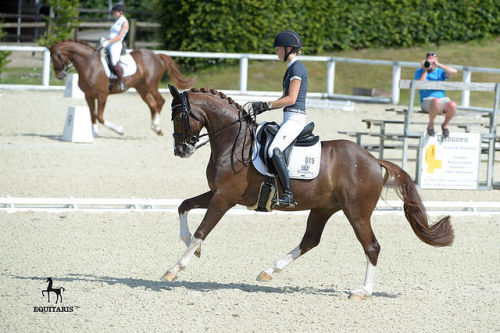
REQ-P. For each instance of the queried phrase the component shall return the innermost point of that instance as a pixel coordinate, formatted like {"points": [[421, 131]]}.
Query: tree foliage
{"points": [[4, 55], [324, 25], [62, 25]]}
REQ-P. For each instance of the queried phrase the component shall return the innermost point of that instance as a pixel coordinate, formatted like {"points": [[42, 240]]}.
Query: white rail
{"points": [[13, 205], [330, 70]]}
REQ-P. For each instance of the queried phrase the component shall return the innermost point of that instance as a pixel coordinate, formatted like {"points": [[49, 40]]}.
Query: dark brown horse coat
{"points": [[350, 178]]}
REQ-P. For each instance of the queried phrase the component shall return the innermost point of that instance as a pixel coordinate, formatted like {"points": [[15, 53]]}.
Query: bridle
{"points": [[65, 67], [65, 64], [190, 139]]}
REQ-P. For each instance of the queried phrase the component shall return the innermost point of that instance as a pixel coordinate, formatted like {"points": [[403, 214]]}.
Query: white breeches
{"points": [[293, 123], [115, 50]]}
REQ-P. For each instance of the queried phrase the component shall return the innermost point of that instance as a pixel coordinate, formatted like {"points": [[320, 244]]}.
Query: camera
{"points": [[427, 64]]}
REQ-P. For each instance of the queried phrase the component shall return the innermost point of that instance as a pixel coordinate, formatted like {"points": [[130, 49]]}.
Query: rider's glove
{"points": [[104, 42], [259, 107]]}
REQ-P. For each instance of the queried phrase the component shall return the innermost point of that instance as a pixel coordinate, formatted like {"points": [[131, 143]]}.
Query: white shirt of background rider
{"points": [[118, 30]]}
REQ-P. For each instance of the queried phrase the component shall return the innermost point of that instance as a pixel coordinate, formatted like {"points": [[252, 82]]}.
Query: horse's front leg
{"points": [[200, 201], [217, 207], [93, 115], [101, 103]]}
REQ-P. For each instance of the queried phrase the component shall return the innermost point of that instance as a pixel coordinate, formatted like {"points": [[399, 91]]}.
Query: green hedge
{"points": [[324, 25]]}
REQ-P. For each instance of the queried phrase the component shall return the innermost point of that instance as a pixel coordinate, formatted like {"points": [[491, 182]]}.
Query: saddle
{"points": [[266, 134], [127, 63]]}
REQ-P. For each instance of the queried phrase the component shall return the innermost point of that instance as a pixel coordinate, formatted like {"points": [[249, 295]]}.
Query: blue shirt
{"points": [[296, 69], [437, 74]]}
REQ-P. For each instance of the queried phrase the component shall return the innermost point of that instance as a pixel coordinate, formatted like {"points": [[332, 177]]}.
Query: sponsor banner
{"points": [[450, 163]]}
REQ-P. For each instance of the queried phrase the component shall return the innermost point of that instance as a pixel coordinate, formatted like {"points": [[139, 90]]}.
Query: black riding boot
{"points": [[119, 72], [279, 163]]}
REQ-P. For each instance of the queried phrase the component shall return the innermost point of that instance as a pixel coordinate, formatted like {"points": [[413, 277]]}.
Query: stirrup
{"points": [[286, 201]]}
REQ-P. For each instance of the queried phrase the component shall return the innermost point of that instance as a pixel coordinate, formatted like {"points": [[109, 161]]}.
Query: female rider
{"points": [[288, 45], [113, 43]]}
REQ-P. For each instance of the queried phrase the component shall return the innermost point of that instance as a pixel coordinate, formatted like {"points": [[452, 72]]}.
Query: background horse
{"points": [[93, 81], [350, 179]]}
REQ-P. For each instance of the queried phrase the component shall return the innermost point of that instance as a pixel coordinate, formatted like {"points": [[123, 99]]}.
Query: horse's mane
{"points": [[75, 41], [219, 94]]}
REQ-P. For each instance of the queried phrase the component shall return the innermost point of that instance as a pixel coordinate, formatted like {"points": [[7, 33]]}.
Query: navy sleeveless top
{"points": [[296, 69]]}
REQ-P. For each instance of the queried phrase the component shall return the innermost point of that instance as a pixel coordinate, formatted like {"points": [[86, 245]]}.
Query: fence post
{"points": [[243, 72], [132, 33], [330, 77], [46, 68], [396, 77], [466, 93]]}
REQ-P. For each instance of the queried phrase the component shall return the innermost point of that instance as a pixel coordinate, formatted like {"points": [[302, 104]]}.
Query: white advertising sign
{"points": [[450, 163]]}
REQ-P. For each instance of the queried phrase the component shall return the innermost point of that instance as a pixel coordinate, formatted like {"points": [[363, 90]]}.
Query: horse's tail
{"points": [[438, 234], [175, 74]]}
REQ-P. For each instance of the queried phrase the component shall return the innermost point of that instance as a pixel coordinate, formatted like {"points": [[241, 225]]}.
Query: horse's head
{"points": [[187, 123], [60, 61]]}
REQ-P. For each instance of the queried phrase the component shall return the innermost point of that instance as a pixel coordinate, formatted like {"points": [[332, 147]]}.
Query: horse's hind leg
{"points": [[155, 103], [359, 217], [200, 201], [315, 224]]}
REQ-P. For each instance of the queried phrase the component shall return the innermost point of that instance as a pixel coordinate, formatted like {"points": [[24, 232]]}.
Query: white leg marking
{"points": [[155, 123], [284, 261], [95, 130], [367, 289], [113, 127], [184, 261], [184, 228]]}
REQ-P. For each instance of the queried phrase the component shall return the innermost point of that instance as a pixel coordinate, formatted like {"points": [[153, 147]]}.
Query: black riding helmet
{"points": [[119, 7], [288, 38]]}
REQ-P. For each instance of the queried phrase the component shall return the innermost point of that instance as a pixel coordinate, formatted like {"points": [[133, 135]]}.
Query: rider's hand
{"points": [[104, 42], [259, 107]]}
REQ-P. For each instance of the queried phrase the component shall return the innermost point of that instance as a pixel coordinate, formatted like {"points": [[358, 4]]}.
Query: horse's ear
{"points": [[175, 93]]}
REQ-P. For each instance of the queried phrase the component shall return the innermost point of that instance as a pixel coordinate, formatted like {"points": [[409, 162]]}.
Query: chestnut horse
{"points": [[93, 81], [350, 179]]}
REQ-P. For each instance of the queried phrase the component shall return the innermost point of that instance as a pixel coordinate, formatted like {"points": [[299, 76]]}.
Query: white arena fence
{"points": [[243, 77], [58, 205]]}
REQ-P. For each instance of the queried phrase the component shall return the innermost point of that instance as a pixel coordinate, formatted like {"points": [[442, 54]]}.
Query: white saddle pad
{"points": [[126, 61], [304, 161]]}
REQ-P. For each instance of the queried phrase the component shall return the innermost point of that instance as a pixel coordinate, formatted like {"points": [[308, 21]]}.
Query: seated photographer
{"points": [[435, 101]]}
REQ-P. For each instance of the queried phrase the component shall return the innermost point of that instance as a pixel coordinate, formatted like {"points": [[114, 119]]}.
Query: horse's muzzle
{"points": [[184, 150], [61, 75]]}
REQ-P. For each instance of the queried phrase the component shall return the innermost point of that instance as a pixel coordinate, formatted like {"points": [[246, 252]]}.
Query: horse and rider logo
{"points": [[57, 291]]}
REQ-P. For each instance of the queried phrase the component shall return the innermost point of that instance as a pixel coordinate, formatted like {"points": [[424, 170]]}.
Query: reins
{"points": [[192, 139]]}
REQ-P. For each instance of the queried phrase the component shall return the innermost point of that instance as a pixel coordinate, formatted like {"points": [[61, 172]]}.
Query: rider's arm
{"points": [[121, 34], [293, 92]]}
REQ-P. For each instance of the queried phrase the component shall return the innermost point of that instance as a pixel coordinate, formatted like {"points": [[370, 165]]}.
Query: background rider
{"points": [[114, 43]]}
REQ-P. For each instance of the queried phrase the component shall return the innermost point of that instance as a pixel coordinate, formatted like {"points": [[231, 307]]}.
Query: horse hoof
{"points": [[160, 133], [358, 296], [169, 276], [263, 276], [198, 252]]}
